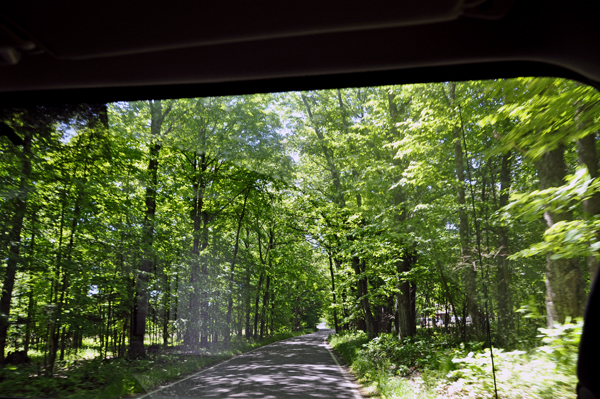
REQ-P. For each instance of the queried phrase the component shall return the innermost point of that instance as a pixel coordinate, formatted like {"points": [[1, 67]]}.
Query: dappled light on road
{"points": [[300, 367]]}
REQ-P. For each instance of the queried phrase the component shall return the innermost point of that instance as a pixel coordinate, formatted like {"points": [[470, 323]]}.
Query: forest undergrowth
{"points": [[99, 378], [436, 365]]}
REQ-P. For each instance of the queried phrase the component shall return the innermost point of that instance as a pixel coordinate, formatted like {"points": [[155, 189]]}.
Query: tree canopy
{"points": [[470, 207]]}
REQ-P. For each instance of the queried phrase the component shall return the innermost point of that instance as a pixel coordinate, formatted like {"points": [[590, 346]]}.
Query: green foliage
{"points": [[435, 366], [546, 372], [566, 238], [531, 206], [561, 344], [249, 209], [418, 352], [384, 362], [548, 112]]}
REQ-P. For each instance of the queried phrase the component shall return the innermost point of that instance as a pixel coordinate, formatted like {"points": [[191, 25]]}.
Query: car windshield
{"points": [[410, 231]]}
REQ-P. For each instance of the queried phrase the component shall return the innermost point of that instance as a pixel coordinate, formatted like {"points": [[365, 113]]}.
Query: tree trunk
{"points": [[405, 307], [469, 273], [565, 288], [265, 305], [232, 271], [166, 309], [335, 319], [260, 281], [503, 276], [63, 337], [249, 333], [197, 308], [363, 292], [586, 155], [140, 306], [346, 312], [462, 326], [240, 318], [14, 238], [272, 307], [406, 314], [62, 302], [197, 327], [204, 318], [30, 320]]}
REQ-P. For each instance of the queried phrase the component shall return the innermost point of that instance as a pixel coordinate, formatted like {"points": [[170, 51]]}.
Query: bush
{"points": [[547, 372], [426, 366], [383, 360]]}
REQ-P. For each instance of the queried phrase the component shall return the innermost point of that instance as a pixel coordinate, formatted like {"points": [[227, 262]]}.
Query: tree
{"points": [[140, 306], [34, 125]]}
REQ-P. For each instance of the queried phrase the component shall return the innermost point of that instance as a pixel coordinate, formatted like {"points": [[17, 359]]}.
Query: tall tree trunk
{"points": [[197, 327], [340, 200], [587, 155], [565, 288], [62, 302], [54, 296], [63, 337], [363, 292], [404, 304], [30, 320], [249, 333], [469, 273], [503, 276], [265, 305], [247, 299], [192, 332], [232, 272], [335, 318], [166, 309], [272, 307], [240, 317], [260, 281], [204, 317], [406, 313], [346, 312], [140, 306], [462, 325], [14, 238]]}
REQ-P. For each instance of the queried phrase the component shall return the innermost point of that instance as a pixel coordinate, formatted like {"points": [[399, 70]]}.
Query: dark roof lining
{"points": [[460, 42], [77, 30], [463, 72], [537, 38]]}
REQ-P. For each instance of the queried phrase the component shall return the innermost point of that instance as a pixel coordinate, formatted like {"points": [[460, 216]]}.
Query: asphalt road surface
{"points": [[300, 367]]}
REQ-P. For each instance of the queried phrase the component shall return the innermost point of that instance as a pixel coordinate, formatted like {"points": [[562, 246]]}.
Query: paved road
{"points": [[300, 367]]}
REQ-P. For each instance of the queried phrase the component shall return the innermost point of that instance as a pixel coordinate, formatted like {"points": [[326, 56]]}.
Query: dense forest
{"points": [[471, 208]]}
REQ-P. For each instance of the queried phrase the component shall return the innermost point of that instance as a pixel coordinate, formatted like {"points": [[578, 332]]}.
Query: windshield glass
{"points": [[417, 226]]}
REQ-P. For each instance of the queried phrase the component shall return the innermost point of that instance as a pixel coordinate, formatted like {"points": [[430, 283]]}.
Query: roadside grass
{"points": [[117, 377], [438, 367]]}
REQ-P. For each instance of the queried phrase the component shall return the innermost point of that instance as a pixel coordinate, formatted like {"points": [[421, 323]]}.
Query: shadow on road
{"points": [[299, 367]]}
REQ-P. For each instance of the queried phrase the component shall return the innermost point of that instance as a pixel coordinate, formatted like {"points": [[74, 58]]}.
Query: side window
{"points": [[425, 227]]}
